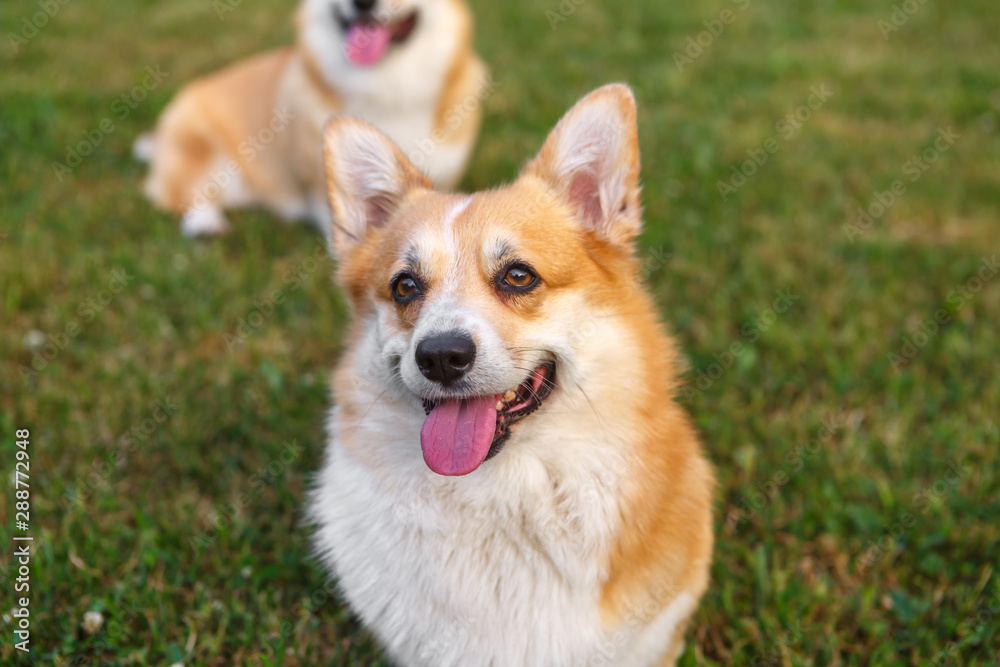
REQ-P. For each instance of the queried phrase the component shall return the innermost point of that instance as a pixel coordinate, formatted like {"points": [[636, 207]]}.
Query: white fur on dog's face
{"points": [[436, 31], [383, 10], [402, 93], [461, 300]]}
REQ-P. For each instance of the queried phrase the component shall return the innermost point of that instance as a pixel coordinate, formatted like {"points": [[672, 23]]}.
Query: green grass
{"points": [[791, 585]]}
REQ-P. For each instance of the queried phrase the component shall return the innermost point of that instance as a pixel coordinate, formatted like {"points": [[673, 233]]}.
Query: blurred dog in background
{"points": [[251, 134]]}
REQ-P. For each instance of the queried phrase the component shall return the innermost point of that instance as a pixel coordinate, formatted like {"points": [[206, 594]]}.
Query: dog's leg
{"points": [[204, 220], [144, 147], [192, 171], [220, 187], [676, 646]]}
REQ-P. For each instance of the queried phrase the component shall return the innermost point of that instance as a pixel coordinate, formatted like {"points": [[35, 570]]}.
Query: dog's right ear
{"points": [[367, 178], [591, 160]]}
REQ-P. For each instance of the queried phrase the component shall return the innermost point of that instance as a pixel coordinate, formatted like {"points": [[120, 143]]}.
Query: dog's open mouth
{"points": [[367, 38], [460, 433]]}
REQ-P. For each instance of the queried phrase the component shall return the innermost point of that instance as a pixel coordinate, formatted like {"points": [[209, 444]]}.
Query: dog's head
{"points": [[367, 31], [482, 307]]}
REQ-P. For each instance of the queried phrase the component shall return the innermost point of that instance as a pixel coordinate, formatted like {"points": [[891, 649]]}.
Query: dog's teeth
{"points": [[509, 395], [499, 405]]}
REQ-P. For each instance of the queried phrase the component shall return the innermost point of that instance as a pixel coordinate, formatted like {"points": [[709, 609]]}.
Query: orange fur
{"points": [[213, 115], [458, 112]]}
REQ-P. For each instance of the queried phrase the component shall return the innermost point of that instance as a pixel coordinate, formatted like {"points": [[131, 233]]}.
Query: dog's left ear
{"points": [[591, 160], [367, 179]]}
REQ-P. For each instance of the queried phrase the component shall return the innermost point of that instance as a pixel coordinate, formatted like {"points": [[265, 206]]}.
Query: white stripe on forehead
{"points": [[448, 234], [421, 248], [448, 221]]}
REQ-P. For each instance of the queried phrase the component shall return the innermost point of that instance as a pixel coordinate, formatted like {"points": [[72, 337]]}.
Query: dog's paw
{"points": [[204, 221], [142, 149]]}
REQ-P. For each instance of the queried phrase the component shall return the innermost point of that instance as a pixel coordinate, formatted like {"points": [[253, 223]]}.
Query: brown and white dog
{"points": [[251, 134], [509, 480]]}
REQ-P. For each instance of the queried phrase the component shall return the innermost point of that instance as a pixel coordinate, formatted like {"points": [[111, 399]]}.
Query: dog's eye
{"points": [[519, 277], [405, 288]]}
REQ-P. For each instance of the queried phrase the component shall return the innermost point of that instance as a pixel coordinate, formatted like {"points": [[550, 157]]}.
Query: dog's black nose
{"points": [[364, 5], [445, 358]]}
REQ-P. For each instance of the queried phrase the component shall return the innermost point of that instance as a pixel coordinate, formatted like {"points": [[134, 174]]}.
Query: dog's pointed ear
{"points": [[367, 178], [591, 161]]}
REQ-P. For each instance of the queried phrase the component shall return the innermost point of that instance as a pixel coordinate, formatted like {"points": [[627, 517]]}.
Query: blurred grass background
{"points": [[797, 580]]}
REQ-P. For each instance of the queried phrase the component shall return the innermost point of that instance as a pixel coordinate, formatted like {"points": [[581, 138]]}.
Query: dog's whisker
{"points": [[545, 381], [594, 408], [530, 372], [533, 392]]}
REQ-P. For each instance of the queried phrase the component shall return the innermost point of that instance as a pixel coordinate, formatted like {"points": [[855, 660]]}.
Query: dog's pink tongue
{"points": [[457, 434], [367, 43]]}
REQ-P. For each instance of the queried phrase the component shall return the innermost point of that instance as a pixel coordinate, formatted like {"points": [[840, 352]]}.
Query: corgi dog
{"points": [[509, 481], [251, 134]]}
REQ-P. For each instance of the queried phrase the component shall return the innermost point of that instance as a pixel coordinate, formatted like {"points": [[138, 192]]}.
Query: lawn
{"points": [[822, 199]]}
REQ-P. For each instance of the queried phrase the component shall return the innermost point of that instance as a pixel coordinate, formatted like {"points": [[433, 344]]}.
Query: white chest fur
{"points": [[501, 567]]}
